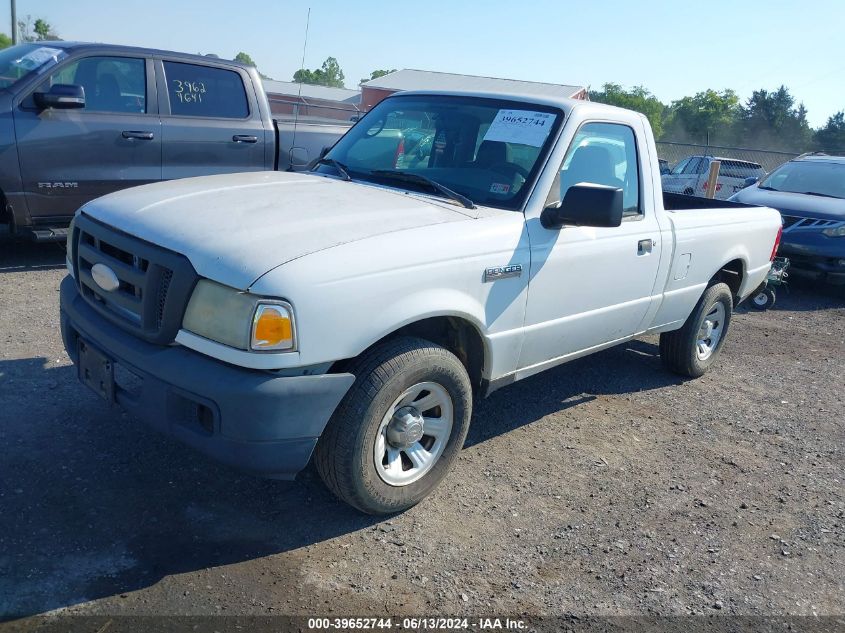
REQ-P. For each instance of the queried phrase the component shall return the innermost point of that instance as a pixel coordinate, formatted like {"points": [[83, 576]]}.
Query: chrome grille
{"points": [[798, 223], [154, 283]]}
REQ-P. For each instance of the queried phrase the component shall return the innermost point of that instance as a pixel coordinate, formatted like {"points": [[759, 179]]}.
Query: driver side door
{"points": [[592, 286], [68, 157]]}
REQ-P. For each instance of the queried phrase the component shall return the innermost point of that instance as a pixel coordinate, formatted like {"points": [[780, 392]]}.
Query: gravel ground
{"points": [[603, 487]]}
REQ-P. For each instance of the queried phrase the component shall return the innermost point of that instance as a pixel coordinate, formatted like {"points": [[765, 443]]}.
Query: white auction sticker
{"points": [[521, 126]]}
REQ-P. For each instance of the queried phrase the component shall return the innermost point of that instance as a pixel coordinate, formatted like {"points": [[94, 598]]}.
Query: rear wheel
{"points": [[691, 350], [399, 429]]}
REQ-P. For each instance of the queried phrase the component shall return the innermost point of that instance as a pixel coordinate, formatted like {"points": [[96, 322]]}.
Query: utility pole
{"points": [[14, 23]]}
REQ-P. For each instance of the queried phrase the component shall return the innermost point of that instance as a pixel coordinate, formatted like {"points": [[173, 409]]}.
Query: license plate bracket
{"points": [[95, 370]]}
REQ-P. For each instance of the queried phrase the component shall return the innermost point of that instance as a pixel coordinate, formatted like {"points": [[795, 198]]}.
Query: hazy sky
{"points": [[673, 48]]}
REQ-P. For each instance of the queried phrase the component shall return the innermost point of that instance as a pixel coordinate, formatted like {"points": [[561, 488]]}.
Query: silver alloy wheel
{"points": [[711, 331], [413, 434]]}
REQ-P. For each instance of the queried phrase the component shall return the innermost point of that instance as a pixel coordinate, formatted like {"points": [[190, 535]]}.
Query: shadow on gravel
{"points": [[634, 366], [97, 505], [18, 257]]}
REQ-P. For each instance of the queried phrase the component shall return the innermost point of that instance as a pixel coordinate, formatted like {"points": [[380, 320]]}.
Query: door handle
{"points": [[135, 134], [244, 138], [644, 247]]}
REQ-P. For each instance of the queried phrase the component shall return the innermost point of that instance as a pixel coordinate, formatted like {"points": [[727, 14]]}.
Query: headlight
{"points": [[839, 231], [238, 319]]}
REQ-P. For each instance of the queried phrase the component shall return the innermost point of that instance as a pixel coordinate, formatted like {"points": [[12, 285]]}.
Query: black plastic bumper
{"points": [[253, 420]]}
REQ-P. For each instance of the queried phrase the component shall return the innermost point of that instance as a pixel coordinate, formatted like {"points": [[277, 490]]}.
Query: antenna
{"points": [[299, 94]]}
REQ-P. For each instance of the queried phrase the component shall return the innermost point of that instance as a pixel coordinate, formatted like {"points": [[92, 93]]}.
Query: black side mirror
{"points": [[585, 205], [751, 180], [61, 97]]}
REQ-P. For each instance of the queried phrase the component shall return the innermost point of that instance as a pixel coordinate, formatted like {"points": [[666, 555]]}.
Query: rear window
{"points": [[205, 92], [740, 169]]}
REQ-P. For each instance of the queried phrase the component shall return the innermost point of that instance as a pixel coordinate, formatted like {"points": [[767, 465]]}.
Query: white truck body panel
{"points": [[359, 261]]}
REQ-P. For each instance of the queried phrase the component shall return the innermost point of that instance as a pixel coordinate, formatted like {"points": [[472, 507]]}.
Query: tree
{"points": [[329, 74], [638, 98], [375, 75], [38, 31], [5, 41], [244, 58], [706, 117], [771, 120], [832, 135]]}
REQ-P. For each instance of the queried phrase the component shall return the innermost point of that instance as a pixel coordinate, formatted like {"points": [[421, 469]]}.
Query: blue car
{"points": [[809, 192]]}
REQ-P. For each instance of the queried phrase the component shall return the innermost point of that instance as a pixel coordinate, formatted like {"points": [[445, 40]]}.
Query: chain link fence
{"points": [[686, 167]]}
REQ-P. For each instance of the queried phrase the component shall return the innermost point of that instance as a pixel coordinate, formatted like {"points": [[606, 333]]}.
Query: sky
{"points": [[672, 48]]}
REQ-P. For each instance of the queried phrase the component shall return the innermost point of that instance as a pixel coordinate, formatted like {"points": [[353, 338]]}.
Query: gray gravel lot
{"points": [[606, 486]]}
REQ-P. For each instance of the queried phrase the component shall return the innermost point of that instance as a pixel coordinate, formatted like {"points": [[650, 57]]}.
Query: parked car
{"points": [[664, 166], [83, 120], [690, 176], [809, 192], [357, 312]]}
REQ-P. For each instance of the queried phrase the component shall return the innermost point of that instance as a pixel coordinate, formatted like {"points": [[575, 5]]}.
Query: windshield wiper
{"points": [[766, 188], [823, 195], [424, 180], [340, 167]]}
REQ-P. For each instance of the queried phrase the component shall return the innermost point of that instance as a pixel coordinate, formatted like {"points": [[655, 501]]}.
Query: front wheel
{"points": [[691, 350], [400, 428]]}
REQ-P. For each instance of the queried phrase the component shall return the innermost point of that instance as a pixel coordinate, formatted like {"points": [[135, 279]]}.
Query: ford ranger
{"points": [[355, 312], [82, 120]]}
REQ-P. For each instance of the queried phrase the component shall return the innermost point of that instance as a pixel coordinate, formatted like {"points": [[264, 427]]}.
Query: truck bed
{"points": [[679, 202]]}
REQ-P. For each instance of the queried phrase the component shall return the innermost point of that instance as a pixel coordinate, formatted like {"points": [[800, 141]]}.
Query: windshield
{"points": [[487, 150], [24, 60], [808, 176]]}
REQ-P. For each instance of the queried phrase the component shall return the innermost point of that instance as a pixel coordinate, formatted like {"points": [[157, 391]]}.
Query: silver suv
{"points": [[689, 177]]}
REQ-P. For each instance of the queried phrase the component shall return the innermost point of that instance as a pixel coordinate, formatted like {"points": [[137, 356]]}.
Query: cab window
{"points": [[205, 92], [602, 154], [111, 84]]}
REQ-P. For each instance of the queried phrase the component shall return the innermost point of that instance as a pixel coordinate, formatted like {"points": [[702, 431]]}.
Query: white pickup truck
{"points": [[355, 312]]}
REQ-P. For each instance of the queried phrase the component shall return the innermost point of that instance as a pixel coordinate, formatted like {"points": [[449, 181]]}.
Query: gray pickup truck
{"points": [[78, 121]]}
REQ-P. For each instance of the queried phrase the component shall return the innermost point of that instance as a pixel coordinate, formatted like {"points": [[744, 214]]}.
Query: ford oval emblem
{"points": [[105, 277]]}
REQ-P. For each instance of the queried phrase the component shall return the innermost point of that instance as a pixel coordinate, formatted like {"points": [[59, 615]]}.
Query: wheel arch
{"points": [[458, 333], [732, 274]]}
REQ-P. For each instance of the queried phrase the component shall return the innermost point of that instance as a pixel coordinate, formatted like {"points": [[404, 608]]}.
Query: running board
{"points": [[48, 234]]}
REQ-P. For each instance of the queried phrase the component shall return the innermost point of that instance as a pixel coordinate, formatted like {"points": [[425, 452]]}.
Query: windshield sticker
{"points": [[500, 188], [39, 56], [521, 126]]}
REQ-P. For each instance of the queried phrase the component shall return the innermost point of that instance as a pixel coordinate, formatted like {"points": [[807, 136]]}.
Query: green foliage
{"points": [[832, 135], [329, 74], [37, 31], [5, 41], [706, 116], [771, 120], [638, 99], [244, 58], [375, 75]]}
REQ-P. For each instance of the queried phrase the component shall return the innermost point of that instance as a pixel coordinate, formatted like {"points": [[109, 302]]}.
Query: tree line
{"points": [[766, 120]]}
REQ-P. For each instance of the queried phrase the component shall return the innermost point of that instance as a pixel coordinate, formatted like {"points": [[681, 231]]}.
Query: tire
{"points": [[763, 299], [680, 350], [377, 417], [688, 191]]}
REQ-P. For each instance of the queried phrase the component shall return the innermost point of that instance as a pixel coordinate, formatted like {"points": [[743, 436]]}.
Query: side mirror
{"points": [[751, 180], [585, 205], [325, 151], [61, 97], [298, 158]]}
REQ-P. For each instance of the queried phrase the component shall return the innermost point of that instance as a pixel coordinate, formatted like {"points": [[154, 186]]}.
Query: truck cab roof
{"points": [[74, 47]]}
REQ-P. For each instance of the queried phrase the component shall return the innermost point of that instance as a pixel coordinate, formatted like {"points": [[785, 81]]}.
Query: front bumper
{"points": [[816, 257], [252, 420]]}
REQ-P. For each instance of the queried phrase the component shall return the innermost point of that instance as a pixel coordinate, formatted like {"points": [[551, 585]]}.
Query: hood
{"points": [[799, 204], [236, 227]]}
